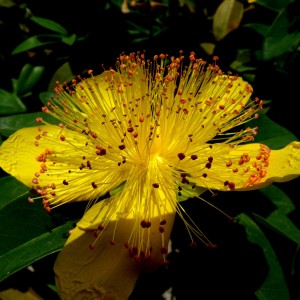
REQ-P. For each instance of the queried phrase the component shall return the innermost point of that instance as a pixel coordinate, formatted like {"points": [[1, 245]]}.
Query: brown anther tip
{"points": [[193, 245], [194, 157], [155, 185], [163, 222], [92, 247], [112, 242], [122, 147], [211, 246], [181, 156], [163, 250]]}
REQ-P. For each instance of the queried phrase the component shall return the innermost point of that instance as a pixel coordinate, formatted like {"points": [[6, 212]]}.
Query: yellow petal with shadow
{"points": [[106, 271]]}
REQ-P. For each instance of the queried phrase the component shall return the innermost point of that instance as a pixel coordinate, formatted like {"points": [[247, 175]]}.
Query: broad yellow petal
{"points": [[61, 164], [242, 167], [100, 262]]}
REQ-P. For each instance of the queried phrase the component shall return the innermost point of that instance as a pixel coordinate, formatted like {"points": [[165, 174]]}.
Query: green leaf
{"points": [[276, 5], [283, 35], [10, 124], [7, 3], [227, 18], [62, 74], [45, 97], [28, 78], [13, 189], [51, 25], [270, 133], [274, 287], [278, 220], [27, 232], [69, 40], [33, 42], [10, 103], [259, 28]]}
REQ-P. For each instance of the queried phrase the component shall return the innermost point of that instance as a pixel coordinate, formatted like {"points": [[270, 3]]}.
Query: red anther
{"points": [[94, 185], [90, 72], [222, 107], [163, 250], [126, 245], [39, 120], [65, 182], [210, 159], [122, 147], [100, 227], [204, 175], [112, 242], [30, 200], [182, 100], [62, 138], [163, 222], [130, 129], [181, 156], [135, 134], [231, 186], [161, 229], [155, 185], [91, 246], [35, 181], [193, 245], [226, 183], [141, 119], [94, 135], [208, 165], [211, 246]]}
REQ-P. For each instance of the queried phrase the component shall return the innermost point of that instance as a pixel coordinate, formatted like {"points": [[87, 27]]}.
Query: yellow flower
{"points": [[153, 133]]}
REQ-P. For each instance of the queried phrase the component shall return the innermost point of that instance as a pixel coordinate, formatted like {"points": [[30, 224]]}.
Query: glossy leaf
{"points": [[49, 24], [28, 78], [10, 124], [274, 287], [227, 18], [278, 220], [27, 232], [270, 133], [69, 40], [34, 42], [283, 35], [276, 5], [10, 103]]}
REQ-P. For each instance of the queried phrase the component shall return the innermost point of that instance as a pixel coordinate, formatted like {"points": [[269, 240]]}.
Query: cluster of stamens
{"points": [[155, 117]]}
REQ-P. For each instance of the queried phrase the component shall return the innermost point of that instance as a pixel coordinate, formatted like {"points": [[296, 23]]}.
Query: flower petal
{"points": [[106, 271], [59, 163], [244, 167]]}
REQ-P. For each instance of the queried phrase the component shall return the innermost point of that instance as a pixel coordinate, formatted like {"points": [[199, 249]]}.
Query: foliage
{"points": [[47, 41]]}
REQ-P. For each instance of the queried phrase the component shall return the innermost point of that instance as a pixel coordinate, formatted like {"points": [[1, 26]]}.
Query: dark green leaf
{"points": [[259, 28], [27, 232], [271, 134], [276, 5], [10, 103], [49, 24], [10, 124], [33, 42], [278, 220], [274, 287], [69, 40], [13, 189], [45, 97], [282, 36], [28, 78]]}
